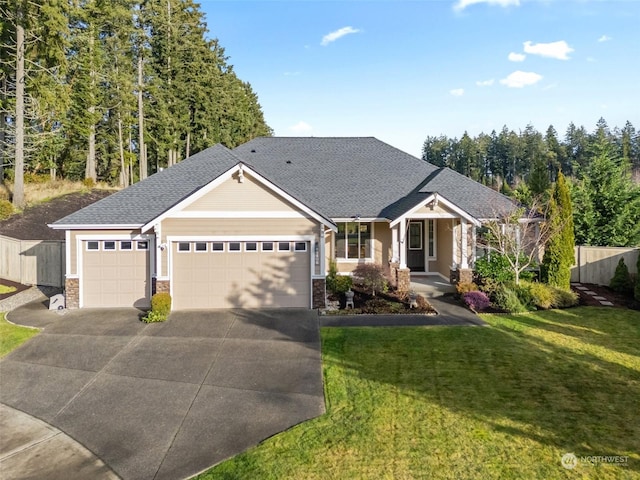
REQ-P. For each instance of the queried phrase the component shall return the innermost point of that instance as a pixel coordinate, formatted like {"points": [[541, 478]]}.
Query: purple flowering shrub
{"points": [[476, 300]]}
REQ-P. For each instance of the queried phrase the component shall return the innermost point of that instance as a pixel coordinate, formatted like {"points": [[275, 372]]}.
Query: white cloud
{"points": [[485, 83], [519, 79], [604, 38], [559, 50], [517, 57], [462, 4], [335, 35], [301, 127], [457, 92]]}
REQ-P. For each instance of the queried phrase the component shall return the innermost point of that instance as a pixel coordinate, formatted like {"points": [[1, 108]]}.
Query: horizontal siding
{"points": [[231, 226], [233, 196]]}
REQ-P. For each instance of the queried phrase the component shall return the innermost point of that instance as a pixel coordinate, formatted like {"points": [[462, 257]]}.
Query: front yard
{"points": [[507, 401], [12, 336]]}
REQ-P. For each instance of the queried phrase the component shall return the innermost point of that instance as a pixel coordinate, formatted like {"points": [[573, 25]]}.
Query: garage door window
{"points": [[217, 247], [142, 245], [234, 246], [125, 245], [300, 246], [184, 247], [267, 246], [201, 246], [93, 245], [284, 246], [250, 247], [109, 245]]}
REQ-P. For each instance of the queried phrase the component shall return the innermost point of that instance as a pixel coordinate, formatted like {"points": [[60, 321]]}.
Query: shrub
{"points": [[476, 300], [621, 281], [6, 209], [337, 284], [490, 287], [464, 287], [372, 277], [30, 177], [89, 183], [508, 300], [523, 291], [497, 267], [542, 295], [375, 305], [564, 298], [637, 290], [160, 308]]}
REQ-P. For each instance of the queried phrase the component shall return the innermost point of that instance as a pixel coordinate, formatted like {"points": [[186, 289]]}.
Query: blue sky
{"points": [[404, 70]]}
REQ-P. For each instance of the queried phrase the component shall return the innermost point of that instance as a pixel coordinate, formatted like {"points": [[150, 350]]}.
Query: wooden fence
{"points": [[32, 262], [598, 264]]}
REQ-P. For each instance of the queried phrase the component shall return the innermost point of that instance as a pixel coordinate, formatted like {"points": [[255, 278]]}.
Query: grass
{"points": [[40, 192], [12, 336], [6, 289], [505, 401]]}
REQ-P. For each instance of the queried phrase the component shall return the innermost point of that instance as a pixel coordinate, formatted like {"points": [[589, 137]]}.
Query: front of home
{"points": [[256, 227]]}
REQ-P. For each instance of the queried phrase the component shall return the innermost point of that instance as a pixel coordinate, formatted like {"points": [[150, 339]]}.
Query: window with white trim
{"points": [[267, 246], [201, 246], [251, 246], [217, 247], [431, 238], [109, 245], [415, 235], [300, 246], [126, 245], [91, 245], [284, 246], [353, 240], [142, 245], [184, 247], [234, 246]]}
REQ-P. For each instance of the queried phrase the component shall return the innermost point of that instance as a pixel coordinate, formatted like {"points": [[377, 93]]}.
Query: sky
{"points": [[404, 70]]}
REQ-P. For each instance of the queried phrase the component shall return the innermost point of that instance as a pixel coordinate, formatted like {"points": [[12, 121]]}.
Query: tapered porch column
{"points": [[403, 246], [454, 249], [395, 257]]}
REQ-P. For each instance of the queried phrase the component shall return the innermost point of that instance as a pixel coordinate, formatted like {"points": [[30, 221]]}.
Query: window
{"points": [[109, 245], [126, 245], [93, 245], [353, 240], [142, 245], [250, 246], [184, 247], [300, 246], [267, 246], [415, 235], [431, 238], [234, 246], [201, 246], [284, 246], [217, 247]]}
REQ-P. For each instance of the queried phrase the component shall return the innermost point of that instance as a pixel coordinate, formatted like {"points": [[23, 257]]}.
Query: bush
{"points": [[496, 267], [372, 277], [337, 284], [6, 209], [637, 290], [464, 287], [542, 295], [476, 300], [564, 298], [490, 287], [621, 281], [523, 291], [160, 308], [508, 300], [89, 183]]}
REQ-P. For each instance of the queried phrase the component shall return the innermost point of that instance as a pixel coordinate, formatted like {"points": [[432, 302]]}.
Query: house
{"points": [[257, 226]]}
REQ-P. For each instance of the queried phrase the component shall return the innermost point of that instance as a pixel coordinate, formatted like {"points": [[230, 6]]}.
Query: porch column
{"points": [[454, 250], [394, 244], [403, 238], [464, 243]]}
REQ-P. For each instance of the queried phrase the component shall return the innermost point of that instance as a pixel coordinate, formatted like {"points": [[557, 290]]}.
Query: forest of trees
{"points": [[602, 168], [113, 90]]}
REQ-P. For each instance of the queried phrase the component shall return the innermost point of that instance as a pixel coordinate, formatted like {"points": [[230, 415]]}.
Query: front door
{"points": [[415, 246]]}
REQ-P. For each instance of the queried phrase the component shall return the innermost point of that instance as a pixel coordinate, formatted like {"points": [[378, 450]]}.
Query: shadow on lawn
{"points": [[509, 379]]}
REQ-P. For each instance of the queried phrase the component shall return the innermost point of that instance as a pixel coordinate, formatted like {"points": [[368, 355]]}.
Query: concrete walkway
{"points": [[157, 401]]}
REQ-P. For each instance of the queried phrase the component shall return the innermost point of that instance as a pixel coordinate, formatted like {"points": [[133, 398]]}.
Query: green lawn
{"points": [[505, 401], [12, 336], [6, 289]]}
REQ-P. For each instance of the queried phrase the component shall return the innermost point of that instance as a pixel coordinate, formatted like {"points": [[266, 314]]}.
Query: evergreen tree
{"points": [[637, 289], [559, 252]]}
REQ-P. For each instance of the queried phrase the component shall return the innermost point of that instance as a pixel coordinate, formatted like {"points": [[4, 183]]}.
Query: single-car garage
{"points": [[247, 274], [115, 273]]}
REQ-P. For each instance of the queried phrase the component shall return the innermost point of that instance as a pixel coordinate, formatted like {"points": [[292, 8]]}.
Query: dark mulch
{"points": [[8, 283], [32, 223], [366, 303], [618, 299]]}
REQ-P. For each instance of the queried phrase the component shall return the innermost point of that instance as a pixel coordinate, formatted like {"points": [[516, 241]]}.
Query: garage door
{"points": [[240, 274], [115, 273]]}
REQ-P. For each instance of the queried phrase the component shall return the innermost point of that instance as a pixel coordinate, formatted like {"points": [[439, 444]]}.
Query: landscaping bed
{"points": [[386, 303], [9, 288]]}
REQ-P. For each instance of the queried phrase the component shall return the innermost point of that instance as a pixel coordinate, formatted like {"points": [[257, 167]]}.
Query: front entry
{"points": [[415, 246]]}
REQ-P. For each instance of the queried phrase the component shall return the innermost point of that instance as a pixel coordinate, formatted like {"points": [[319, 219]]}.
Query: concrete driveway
{"points": [[168, 400]]}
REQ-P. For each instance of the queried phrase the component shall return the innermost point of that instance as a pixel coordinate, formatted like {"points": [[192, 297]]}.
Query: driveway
{"points": [[167, 400]]}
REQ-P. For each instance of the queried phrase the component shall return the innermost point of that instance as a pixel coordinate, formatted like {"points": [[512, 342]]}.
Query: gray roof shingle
{"points": [[336, 177]]}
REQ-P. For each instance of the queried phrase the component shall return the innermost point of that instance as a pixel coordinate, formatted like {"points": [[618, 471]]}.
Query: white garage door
{"points": [[115, 273], [240, 274]]}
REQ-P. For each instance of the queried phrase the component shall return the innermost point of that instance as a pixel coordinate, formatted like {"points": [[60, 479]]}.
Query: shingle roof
{"points": [[146, 200], [336, 177]]}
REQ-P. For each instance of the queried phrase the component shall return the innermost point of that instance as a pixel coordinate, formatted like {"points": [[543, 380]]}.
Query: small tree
{"points": [[517, 234], [371, 276], [621, 281]]}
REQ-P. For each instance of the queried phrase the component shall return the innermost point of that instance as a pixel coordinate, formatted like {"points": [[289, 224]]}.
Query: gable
{"points": [[433, 210], [246, 196]]}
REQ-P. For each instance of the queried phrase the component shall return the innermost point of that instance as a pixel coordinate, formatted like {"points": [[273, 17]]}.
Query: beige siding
{"points": [[235, 196], [232, 226], [382, 243], [435, 210], [444, 246], [73, 247]]}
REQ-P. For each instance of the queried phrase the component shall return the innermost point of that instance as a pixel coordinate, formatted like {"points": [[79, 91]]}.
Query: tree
{"points": [[637, 289], [517, 235], [559, 252]]}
